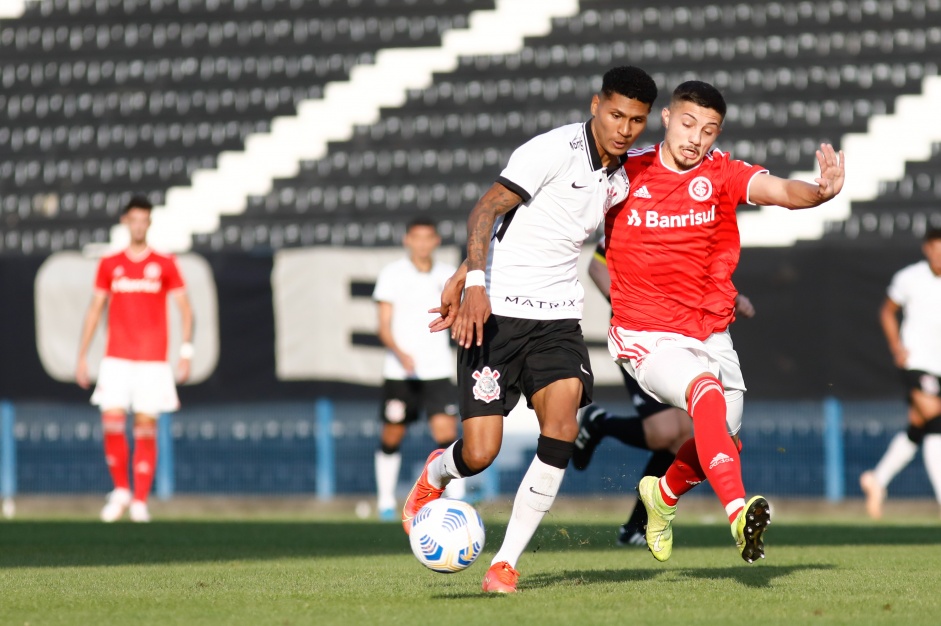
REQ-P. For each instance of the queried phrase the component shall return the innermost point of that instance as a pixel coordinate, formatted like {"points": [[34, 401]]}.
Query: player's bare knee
{"points": [[478, 458], [926, 405], [443, 428], [564, 430]]}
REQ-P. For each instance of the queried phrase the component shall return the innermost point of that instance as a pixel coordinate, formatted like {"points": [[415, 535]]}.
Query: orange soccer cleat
{"points": [[421, 494], [501, 578]]}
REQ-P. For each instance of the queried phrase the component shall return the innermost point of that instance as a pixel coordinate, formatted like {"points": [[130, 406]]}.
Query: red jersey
{"points": [[673, 244], [137, 313]]}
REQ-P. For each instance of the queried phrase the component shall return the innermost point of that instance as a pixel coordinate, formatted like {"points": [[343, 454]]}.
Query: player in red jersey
{"points": [[134, 374], [672, 248]]}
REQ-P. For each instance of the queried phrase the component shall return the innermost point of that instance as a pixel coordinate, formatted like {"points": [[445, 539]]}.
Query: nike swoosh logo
{"points": [[544, 495], [575, 186], [582, 367], [656, 544]]}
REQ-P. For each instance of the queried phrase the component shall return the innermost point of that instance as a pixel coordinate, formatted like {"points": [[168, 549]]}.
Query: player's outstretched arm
{"points": [[795, 194], [450, 300], [475, 310], [92, 318]]}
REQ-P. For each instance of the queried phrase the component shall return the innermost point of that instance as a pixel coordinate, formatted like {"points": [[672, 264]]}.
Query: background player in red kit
{"points": [[134, 374], [672, 248]]}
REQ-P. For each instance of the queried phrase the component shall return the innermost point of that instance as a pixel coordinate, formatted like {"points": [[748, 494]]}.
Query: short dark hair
{"points": [[933, 233], [701, 94], [630, 82], [420, 221], [137, 202]]}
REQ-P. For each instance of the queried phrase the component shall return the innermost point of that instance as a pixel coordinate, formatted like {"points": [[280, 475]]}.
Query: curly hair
{"points": [[631, 82]]}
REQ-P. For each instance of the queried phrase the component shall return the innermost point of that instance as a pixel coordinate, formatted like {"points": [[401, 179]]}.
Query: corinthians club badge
{"points": [[487, 387]]}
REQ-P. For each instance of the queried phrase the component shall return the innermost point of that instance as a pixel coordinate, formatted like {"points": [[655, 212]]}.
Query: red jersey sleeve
{"points": [[738, 175], [103, 276], [173, 277]]}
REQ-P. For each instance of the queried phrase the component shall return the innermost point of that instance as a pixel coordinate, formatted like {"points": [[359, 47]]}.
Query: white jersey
{"points": [[566, 191], [412, 293], [918, 291]]}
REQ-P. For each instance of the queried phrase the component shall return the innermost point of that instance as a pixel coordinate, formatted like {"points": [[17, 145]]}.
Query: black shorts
{"points": [[520, 356], [922, 381], [643, 403], [403, 400]]}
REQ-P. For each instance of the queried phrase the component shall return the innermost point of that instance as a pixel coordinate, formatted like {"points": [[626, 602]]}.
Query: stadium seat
{"points": [[105, 96]]}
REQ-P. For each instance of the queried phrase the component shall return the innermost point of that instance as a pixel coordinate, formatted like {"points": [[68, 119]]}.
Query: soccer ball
{"points": [[447, 535]]}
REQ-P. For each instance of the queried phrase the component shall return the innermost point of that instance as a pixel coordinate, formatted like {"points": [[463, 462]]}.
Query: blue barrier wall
{"points": [[274, 448]]}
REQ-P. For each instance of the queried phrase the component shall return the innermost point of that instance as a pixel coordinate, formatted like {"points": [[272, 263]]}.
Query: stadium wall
{"points": [[816, 333], [251, 427]]}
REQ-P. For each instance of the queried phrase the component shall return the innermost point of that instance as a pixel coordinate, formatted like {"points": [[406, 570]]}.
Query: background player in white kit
{"points": [[524, 239], [915, 291], [135, 374], [419, 365]]}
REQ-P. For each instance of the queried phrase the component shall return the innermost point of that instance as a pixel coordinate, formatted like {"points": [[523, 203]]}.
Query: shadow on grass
{"points": [[599, 537], [757, 576], [65, 543]]}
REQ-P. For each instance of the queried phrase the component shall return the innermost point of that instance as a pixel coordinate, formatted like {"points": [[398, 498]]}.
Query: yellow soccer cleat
{"points": [[749, 526], [660, 516]]}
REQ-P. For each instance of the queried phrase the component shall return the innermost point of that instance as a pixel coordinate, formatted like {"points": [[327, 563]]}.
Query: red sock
{"points": [[718, 454], [683, 474], [145, 459], [116, 452]]}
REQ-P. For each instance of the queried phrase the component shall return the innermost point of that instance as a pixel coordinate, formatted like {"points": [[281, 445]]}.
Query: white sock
{"points": [[931, 450], [535, 496], [387, 477], [900, 453], [457, 489], [442, 469]]}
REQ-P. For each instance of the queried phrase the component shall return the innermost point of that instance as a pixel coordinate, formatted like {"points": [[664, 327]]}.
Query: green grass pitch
{"points": [[345, 571]]}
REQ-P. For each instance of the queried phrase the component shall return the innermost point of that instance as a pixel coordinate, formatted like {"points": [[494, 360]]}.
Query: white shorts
{"points": [[664, 364], [139, 386]]}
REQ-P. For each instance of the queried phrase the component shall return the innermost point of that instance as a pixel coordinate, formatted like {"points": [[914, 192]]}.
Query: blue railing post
{"points": [[834, 469], [326, 464], [7, 450], [165, 470]]}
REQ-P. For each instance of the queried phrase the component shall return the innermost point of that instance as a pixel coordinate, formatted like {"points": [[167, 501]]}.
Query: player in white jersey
{"points": [[915, 291], [419, 366], [518, 326]]}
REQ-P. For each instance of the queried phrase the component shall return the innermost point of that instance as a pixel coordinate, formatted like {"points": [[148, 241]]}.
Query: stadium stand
{"points": [[903, 209], [103, 97], [795, 74]]}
